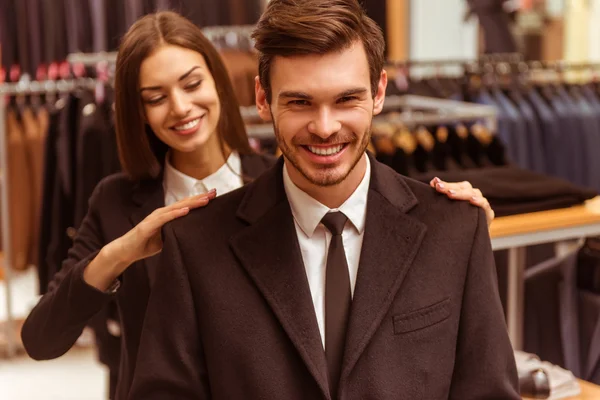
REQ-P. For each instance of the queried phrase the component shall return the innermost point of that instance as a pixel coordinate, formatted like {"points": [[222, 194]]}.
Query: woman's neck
{"points": [[201, 163]]}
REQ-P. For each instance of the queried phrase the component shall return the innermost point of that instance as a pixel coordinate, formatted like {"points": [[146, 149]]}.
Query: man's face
{"points": [[322, 108]]}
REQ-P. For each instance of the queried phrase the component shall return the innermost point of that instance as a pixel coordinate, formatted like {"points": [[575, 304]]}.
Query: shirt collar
{"points": [[224, 179], [309, 212]]}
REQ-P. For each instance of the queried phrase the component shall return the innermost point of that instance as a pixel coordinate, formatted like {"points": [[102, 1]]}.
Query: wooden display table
{"points": [[517, 232], [589, 391]]}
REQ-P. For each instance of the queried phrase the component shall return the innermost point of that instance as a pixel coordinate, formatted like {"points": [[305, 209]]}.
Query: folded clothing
{"points": [[511, 190]]}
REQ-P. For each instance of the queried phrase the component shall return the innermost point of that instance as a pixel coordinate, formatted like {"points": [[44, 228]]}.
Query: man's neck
{"points": [[331, 196]]}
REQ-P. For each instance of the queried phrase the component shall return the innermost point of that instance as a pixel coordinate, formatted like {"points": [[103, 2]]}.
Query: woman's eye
{"points": [[155, 100], [193, 85]]}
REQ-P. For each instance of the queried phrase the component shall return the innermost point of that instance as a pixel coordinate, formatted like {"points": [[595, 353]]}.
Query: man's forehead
{"points": [[337, 72]]}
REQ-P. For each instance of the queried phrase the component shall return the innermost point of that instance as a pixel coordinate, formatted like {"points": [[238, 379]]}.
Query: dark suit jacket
{"points": [[231, 315], [116, 206]]}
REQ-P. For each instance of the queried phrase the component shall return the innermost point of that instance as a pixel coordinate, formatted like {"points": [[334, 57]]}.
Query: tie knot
{"points": [[335, 222]]}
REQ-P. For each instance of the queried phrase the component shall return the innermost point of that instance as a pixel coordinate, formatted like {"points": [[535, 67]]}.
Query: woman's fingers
{"points": [[156, 220], [464, 191], [482, 202], [193, 200]]}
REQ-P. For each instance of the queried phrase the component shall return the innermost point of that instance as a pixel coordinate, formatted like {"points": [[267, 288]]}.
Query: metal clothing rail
{"points": [[232, 36], [415, 111], [16, 89]]}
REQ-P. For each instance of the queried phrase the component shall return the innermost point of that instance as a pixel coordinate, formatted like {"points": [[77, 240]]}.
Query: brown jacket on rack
{"points": [[20, 194], [116, 206], [36, 128], [231, 314], [242, 67]]}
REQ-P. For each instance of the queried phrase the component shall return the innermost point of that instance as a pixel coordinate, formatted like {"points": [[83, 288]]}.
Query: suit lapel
{"points": [[269, 251], [391, 241], [147, 197]]}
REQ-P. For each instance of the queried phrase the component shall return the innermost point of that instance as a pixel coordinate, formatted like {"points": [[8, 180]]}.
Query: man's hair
{"points": [[302, 27]]}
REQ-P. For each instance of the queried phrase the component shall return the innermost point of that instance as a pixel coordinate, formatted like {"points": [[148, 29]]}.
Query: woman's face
{"points": [[180, 99]]}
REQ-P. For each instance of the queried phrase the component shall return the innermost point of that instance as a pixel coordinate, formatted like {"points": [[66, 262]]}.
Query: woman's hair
{"points": [[141, 152]]}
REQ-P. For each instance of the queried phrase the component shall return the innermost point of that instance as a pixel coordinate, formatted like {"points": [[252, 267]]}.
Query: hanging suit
{"points": [[535, 142], [551, 321], [8, 34], [550, 129], [35, 126], [20, 198], [47, 209]]}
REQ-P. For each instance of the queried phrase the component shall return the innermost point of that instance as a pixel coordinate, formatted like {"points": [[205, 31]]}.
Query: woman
{"points": [[180, 134]]}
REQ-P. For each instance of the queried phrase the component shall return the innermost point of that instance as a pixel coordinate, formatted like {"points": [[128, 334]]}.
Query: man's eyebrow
{"points": [[352, 92], [296, 95]]}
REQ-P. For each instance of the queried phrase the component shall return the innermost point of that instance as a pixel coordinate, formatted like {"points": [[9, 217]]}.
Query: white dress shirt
{"points": [[178, 185], [314, 238]]}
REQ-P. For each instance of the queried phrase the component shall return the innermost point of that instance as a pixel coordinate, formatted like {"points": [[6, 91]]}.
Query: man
{"points": [[330, 276]]}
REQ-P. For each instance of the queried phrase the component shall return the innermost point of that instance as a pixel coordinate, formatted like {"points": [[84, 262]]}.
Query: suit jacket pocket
{"points": [[422, 318]]}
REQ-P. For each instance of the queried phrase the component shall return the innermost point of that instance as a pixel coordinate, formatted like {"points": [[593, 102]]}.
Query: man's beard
{"points": [[327, 176]]}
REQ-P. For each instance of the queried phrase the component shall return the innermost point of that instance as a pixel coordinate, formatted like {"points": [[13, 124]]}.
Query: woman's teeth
{"points": [[325, 151], [189, 125]]}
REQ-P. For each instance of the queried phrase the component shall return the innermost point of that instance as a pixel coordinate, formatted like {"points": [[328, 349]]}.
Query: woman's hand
{"points": [[464, 191], [143, 241]]}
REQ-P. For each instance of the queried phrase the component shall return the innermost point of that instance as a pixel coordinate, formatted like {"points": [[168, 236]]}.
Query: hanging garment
{"points": [[533, 134], [495, 23], [242, 67], [96, 153], [20, 196], [518, 130], [48, 196], [34, 136], [551, 322], [589, 335], [550, 130], [8, 33]]}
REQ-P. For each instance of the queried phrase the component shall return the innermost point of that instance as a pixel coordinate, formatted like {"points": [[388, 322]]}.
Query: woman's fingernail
{"points": [[452, 192], [475, 198], [441, 185], [185, 209]]}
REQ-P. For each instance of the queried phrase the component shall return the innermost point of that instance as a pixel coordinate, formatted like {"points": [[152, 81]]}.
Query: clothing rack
{"points": [[221, 36], [90, 59], [416, 111], [19, 89], [231, 36]]}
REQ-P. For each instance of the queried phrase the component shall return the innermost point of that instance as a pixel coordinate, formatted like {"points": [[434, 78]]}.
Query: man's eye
{"points": [[347, 99], [298, 103]]}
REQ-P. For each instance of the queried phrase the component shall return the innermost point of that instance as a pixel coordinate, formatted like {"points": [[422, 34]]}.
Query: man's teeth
{"points": [[189, 125], [325, 151]]}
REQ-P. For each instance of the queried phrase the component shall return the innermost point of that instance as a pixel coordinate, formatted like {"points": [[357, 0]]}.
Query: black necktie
{"points": [[337, 299]]}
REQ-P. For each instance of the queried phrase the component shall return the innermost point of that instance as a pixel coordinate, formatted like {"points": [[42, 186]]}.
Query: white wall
{"points": [[437, 30]]}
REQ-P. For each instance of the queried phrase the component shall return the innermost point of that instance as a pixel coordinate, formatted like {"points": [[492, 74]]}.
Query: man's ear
{"points": [[380, 95], [262, 105]]}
